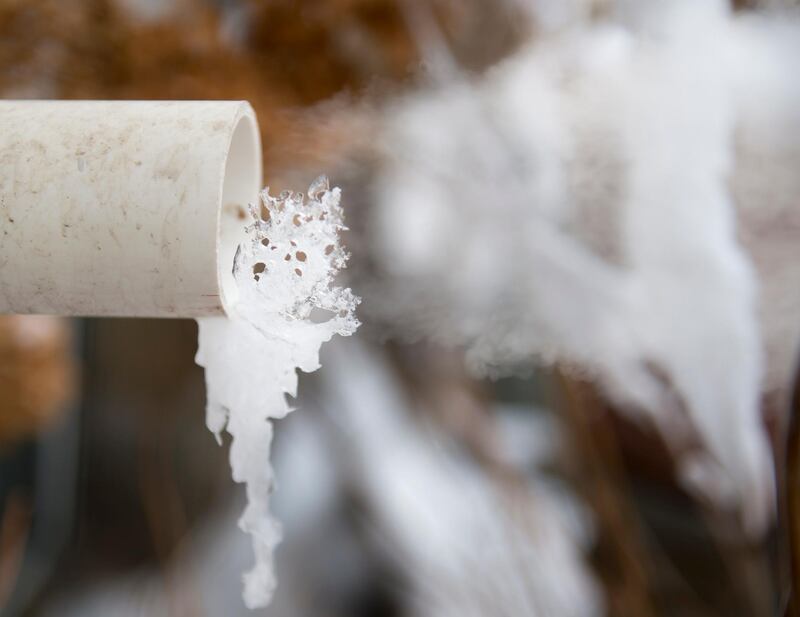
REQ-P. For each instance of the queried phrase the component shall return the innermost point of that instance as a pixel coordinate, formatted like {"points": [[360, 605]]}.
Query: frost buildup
{"points": [[288, 306]]}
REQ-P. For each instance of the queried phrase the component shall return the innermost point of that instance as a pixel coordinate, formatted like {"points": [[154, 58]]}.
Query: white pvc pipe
{"points": [[130, 208]]}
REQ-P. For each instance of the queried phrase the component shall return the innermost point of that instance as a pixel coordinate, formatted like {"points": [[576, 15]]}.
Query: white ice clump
{"points": [[288, 306], [575, 206]]}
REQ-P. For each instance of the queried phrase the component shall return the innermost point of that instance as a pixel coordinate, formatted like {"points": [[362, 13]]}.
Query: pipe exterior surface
{"points": [[130, 208]]}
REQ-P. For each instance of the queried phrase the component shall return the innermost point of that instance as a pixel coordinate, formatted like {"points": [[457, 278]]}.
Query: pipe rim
{"points": [[241, 183]]}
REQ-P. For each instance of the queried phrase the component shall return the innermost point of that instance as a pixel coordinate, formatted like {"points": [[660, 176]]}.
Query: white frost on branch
{"points": [[575, 206]]}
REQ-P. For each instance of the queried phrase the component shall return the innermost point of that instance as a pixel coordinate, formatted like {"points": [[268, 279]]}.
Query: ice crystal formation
{"points": [[288, 306]]}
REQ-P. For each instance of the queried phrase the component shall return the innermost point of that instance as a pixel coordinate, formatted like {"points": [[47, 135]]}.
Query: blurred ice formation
{"points": [[579, 205], [466, 547]]}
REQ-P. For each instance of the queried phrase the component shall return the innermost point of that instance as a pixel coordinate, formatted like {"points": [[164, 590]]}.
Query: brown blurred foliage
{"points": [[278, 55], [36, 373]]}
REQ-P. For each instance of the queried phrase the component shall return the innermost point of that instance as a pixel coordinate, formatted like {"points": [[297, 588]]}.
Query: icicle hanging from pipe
{"points": [[289, 306]]}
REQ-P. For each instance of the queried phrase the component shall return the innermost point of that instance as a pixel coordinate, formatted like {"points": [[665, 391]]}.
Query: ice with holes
{"points": [[289, 305]]}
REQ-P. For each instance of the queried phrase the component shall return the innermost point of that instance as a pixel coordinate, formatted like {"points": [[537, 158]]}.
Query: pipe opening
{"points": [[240, 187]]}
